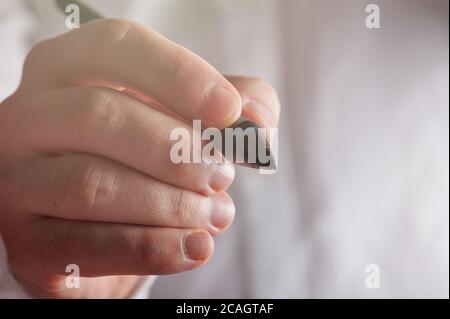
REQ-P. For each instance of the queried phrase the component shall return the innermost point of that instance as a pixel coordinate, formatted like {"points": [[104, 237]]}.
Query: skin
{"points": [[85, 173]]}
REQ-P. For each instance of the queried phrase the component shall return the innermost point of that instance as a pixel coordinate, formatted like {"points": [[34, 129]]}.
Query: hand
{"points": [[85, 172]]}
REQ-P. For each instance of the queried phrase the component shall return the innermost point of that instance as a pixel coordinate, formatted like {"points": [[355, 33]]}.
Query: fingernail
{"points": [[222, 177], [198, 246], [222, 211], [221, 106], [261, 112]]}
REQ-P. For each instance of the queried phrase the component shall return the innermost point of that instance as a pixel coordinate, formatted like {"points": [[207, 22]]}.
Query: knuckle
{"points": [[184, 206], [116, 23], [180, 61], [195, 178], [55, 193], [89, 239], [115, 30], [146, 249], [99, 110], [92, 186], [156, 254]]}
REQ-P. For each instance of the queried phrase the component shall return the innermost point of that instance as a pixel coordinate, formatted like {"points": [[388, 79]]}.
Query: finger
{"points": [[104, 122], [102, 249], [260, 100], [127, 55], [83, 187]]}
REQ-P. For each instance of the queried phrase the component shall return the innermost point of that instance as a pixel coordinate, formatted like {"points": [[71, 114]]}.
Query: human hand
{"points": [[85, 172]]}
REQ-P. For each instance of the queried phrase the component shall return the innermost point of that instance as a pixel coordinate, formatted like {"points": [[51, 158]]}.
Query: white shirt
{"points": [[363, 175]]}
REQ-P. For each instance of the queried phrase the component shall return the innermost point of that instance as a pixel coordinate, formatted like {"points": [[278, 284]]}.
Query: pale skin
{"points": [[85, 171]]}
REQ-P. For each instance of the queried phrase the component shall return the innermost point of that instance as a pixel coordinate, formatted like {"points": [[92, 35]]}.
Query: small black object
{"points": [[258, 162]]}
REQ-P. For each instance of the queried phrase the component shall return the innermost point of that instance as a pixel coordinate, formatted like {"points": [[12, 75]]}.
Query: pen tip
{"points": [[262, 155]]}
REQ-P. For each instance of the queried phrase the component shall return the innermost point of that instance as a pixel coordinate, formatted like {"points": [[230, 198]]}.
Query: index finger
{"points": [[121, 54]]}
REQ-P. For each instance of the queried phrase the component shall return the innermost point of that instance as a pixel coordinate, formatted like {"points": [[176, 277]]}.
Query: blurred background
{"points": [[363, 183]]}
